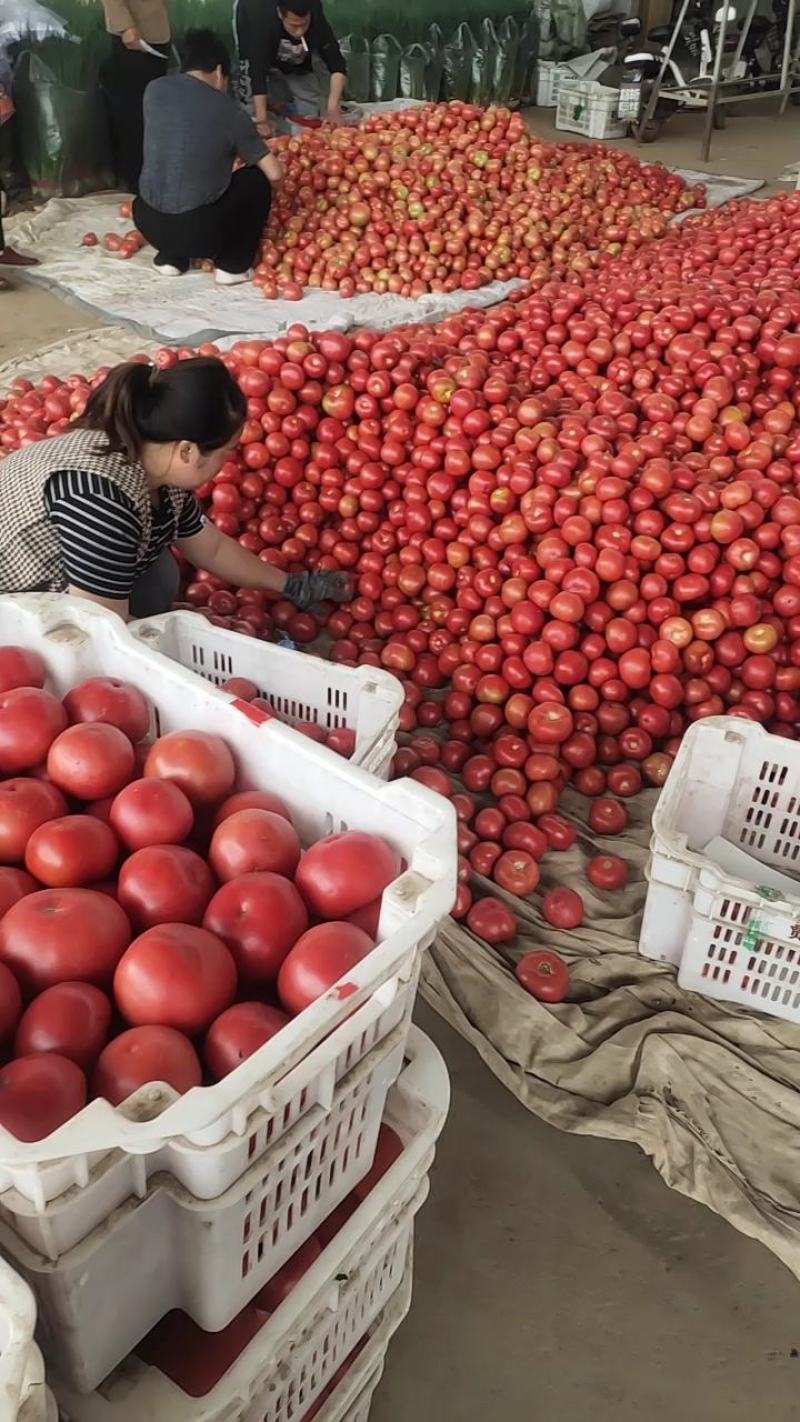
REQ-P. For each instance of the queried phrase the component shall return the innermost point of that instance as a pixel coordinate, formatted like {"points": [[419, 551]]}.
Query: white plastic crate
{"points": [[301, 687], [586, 107], [359, 1285], [731, 938], [23, 1394], [214, 1133], [208, 1258], [548, 79]]}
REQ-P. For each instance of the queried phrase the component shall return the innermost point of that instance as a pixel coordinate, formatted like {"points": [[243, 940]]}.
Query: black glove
{"points": [[307, 590]]}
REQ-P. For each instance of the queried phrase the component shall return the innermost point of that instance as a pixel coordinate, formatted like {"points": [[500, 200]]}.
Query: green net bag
{"points": [[384, 69], [457, 58], [355, 52]]}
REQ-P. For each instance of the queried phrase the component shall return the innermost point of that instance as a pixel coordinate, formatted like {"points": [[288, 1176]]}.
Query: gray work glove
{"points": [[307, 590]]}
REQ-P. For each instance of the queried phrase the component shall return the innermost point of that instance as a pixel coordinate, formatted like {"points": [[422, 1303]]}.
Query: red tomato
{"points": [[14, 885], [74, 850], [240, 687], [318, 960], [198, 762], [544, 975], [336, 1220], [38, 1094], [389, 1149], [175, 975], [150, 812], [492, 921], [559, 833], [238, 1032], [10, 1003], [91, 761], [165, 883], [607, 871], [607, 816], [143, 1055], [20, 667], [111, 702], [250, 800], [281, 1284], [30, 720], [260, 917], [346, 871], [517, 872], [71, 1019], [563, 908], [25, 804], [193, 1360], [253, 841], [63, 935]]}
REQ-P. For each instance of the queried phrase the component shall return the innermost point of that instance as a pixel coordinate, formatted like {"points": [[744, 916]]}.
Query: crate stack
{"points": [[729, 918], [185, 1208]]}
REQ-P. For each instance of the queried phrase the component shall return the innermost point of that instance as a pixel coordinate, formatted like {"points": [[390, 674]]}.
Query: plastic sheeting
{"points": [[710, 1092]]}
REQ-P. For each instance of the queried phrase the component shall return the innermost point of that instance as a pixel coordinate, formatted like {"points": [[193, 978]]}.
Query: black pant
{"points": [[228, 230], [157, 588], [125, 76]]}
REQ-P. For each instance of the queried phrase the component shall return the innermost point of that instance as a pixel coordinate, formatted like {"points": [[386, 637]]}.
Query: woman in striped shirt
{"points": [[96, 511]]}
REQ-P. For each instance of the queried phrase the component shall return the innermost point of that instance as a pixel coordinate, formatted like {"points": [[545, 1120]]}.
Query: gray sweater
{"points": [[192, 135]]}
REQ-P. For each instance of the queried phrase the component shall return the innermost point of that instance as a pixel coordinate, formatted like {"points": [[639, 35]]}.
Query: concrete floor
{"points": [[557, 1278]]}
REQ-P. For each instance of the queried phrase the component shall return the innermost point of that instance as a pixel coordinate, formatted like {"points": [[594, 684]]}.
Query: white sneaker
{"points": [[165, 269], [232, 278]]}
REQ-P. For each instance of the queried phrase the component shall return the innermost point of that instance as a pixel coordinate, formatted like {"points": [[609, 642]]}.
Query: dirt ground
{"points": [[557, 1278]]}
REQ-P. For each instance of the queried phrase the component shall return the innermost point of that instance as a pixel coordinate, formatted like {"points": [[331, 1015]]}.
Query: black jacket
{"points": [[259, 33]]}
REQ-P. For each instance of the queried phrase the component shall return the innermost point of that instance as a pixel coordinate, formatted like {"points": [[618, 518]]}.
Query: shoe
{"points": [[166, 268], [224, 278], [10, 258]]}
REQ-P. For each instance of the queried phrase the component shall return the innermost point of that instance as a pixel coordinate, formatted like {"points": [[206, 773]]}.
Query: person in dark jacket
{"points": [[278, 41], [140, 52]]}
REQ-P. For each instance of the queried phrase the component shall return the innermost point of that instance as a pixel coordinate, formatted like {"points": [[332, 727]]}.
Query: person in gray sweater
{"points": [[191, 203]]}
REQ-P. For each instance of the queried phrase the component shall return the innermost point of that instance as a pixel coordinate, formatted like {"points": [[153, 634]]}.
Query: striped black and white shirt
{"points": [[73, 512]]}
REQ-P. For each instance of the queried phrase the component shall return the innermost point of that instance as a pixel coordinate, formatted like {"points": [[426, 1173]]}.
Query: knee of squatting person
{"points": [[191, 203], [94, 512]]}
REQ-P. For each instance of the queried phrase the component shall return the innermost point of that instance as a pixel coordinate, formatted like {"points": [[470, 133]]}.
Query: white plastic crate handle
{"points": [[17, 1324]]}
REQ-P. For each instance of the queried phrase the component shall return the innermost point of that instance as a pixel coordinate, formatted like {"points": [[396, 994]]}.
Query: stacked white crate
{"points": [[196, 1201], [24, 1396], [732, 938]]}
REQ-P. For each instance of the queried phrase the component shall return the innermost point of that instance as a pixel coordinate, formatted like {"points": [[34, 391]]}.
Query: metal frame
{"points": [[788, 77]]}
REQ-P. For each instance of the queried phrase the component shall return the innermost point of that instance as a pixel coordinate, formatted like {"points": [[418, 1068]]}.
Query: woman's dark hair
{"points": [[204, 51], [301, 8], [196, 400]]}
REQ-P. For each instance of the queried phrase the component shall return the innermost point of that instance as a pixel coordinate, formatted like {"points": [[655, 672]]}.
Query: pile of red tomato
{"points": [[573, 523], [155, 923], [452, 196]]}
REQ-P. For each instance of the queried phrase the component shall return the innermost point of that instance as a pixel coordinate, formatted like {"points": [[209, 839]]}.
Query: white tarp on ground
{"points": [[192, 309]]}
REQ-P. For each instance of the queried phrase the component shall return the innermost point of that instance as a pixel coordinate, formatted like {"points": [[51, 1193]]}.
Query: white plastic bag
{"points": [[21, 18]]}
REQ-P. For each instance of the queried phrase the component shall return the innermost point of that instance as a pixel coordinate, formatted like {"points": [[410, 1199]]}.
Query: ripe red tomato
{"points": [[517, 872], [607, 871], [389, 1149], [281, 1284], [318, 960], [91, 761], [14, 885], [559, 833], [253, 841], [238, 1032], [198, 762], [260, 917], [143, 1055], [10, 1003], [63, 935], [71, 1019], [251, 800], [111, 702], [346, 871], [30, 720], [20, 667], [607, 816], [73, 850], [563, 907], [492, 921], [175, 975], [25, 804], [148, 812], [544, 975], [38, 1094], [164, 883]]}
